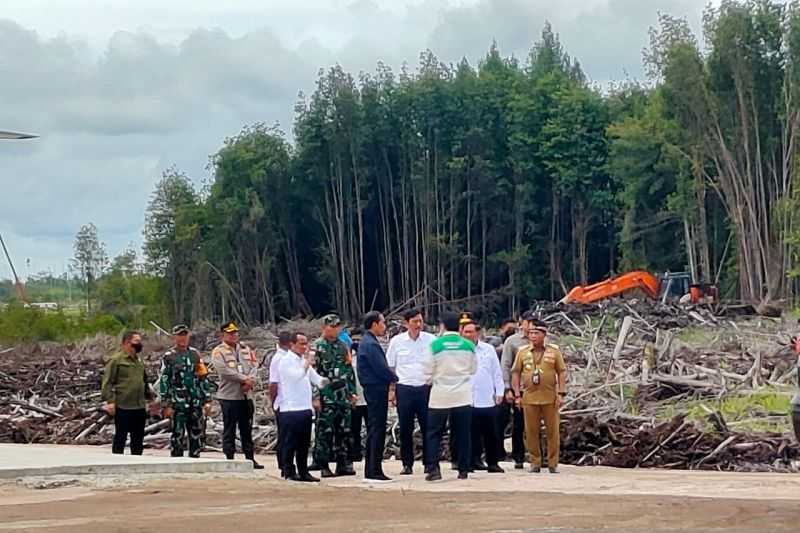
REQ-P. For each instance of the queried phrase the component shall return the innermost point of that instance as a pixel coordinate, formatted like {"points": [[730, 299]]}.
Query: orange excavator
{"points": [[669, 286]]}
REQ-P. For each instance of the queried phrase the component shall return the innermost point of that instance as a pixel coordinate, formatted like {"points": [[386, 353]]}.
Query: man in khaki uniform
{"points": [[237, 366], [538, 379]]}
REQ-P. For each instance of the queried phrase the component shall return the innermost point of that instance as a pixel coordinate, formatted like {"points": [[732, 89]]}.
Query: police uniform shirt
{"points": [[549, 363], [487, 383], [296, 381], [233, 364], [407, 357]]}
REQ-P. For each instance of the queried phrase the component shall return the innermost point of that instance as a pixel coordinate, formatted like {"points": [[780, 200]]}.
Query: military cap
{"points": [[229, 327], [180, 329], [332, 320]]}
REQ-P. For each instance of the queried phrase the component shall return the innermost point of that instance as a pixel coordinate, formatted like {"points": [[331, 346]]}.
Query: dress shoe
{"points": [[495, 469], [553, 470], [257, 466], [314, 466], [345, 469], [535, 469], [463, 475], [433, 475], [519, 466], [325, 472], [307, 478], [479, 466], [406, 471]]}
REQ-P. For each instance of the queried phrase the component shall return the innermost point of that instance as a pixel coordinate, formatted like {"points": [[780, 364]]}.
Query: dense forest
{"points": [[488, 186]]}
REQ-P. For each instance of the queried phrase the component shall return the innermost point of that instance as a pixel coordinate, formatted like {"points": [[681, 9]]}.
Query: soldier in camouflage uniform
{"points": [[332, 437], [184, 392]]}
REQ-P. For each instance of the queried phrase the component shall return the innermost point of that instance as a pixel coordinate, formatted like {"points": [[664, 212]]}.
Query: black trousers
{"points": [[357, 416], [506, 412], [281, 439], [237, 413], [484, 435], [296, 428], [129, 422], [377, 397], [412, 403], [460, 429]]}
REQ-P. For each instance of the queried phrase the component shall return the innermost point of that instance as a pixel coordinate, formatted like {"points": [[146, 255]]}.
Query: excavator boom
{"points": [[639, 279]]}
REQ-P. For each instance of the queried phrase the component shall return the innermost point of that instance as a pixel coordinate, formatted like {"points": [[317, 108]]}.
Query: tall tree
{"points": [[90, 258]]}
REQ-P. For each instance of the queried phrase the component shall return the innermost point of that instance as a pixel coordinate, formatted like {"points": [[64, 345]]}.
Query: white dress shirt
{"points": [[487, 383], [296, 383], [359, 389], [407, 355], [275, 376]]}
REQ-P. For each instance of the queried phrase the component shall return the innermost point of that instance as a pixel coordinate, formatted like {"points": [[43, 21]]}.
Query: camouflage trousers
{"points": [[332, 435], [188, 424]]}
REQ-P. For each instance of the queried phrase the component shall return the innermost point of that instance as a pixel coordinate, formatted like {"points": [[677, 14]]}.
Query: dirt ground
{"points": [[261, 502]]}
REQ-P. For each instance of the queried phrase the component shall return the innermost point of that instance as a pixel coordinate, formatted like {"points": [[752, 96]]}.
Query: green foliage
{"points": [[21, 324], [744, 412]]}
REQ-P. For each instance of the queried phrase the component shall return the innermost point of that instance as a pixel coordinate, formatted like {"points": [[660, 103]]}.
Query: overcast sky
{"points": [[119, 90]]}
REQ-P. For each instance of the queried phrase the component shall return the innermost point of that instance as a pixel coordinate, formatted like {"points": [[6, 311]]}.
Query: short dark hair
{"points": [[527, 316], [411, 313], [508, 320], [294, 335], [284, 338], [371, 318], [128, 335], [450, 321]]}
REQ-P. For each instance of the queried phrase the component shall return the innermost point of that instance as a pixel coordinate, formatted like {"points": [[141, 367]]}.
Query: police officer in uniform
{"points": [[332, 441], [236, 365], [539, 370], [184, 392]]}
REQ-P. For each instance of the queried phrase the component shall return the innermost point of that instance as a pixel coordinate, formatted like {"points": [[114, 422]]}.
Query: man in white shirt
{"points": [[405, 355], [275, 396], [358, 417], [487, 393], [297, 377], [449, 366]]}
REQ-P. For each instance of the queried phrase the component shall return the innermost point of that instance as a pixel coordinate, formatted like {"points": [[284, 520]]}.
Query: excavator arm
{"points": [[639, 279]]}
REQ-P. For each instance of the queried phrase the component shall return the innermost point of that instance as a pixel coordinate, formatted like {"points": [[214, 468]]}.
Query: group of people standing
{"points": [[454, 382], [184, 393]]}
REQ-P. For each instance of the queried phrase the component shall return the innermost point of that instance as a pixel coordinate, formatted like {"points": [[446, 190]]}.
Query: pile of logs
{"points": [[626, 361], [677, 443]]}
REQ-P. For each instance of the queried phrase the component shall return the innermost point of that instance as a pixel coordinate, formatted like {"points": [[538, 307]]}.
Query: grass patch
{"points": [[696, 335], [742, 412]]}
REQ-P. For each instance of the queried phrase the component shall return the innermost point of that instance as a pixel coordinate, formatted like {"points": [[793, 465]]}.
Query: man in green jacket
{"points": [[126, 392]]}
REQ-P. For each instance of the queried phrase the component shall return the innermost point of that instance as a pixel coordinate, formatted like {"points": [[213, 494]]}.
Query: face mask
{"points": [[136, 347]]}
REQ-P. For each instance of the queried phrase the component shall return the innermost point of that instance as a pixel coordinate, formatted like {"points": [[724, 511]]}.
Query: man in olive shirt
{"points": [[126, 391], [539, 370]]}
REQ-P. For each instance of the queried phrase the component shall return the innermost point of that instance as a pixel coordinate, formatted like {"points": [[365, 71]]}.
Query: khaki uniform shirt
{"points": [[233, 364], [547, 363]]}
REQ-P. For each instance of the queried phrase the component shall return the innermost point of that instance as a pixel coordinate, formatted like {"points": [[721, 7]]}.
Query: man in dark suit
{"points": [[375, 377]]}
